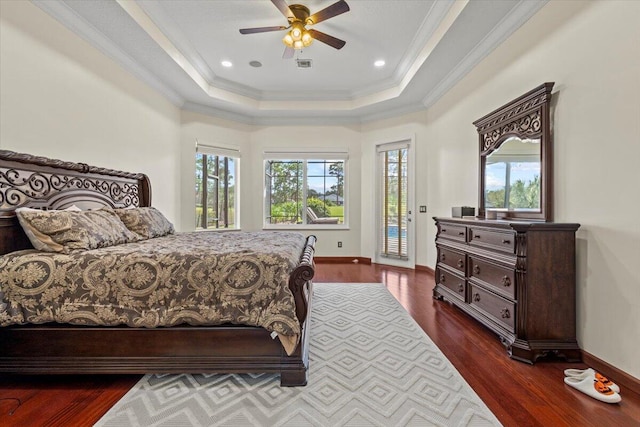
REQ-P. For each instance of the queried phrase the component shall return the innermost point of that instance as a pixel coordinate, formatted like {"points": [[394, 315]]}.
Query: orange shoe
{"points": [[593, 388], [591, 373]]}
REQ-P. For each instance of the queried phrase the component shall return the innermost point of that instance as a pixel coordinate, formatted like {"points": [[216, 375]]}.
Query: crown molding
{"points": [[520, 14]]}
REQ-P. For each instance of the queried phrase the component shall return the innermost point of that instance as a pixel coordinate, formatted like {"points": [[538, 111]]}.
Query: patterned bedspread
{"points": [[199, 278]]}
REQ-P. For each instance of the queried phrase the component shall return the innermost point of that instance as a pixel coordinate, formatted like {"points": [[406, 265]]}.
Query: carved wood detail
{"points": [[523, 117], [526, 117], [18, 188], [528, 126], [34, 181], [300, 277], [30, 159]]}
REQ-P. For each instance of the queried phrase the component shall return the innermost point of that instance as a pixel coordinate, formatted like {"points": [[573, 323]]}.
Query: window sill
{"points": [[341, 227], [217, 230]]}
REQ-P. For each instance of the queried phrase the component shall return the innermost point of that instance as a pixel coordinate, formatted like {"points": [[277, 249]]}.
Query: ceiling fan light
{"points": [[298, 44], [288, 40], [297, 31], [306, 39]]}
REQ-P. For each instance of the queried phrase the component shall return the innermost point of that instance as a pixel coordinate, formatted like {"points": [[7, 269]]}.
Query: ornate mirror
{"points": [[516, 158]]}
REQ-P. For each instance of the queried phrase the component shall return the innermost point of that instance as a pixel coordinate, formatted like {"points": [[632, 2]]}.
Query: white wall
{"points": [[62, 98], [590, 49]]}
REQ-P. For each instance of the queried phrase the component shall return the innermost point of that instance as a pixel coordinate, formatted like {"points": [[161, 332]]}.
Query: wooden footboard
{"points": [[69, 349]]}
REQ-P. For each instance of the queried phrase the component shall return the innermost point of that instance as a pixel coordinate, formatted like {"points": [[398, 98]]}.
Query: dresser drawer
{"points": [[454, 259], [494, 306], [454, 232], [504, 241], [454, 283], [500, 279]]}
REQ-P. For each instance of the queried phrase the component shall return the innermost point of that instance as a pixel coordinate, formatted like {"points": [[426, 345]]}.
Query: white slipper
{"points": [[591, 373], [593, 388]]}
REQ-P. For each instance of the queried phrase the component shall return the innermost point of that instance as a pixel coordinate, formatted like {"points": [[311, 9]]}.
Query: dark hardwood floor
{"points": [[518, 394]]}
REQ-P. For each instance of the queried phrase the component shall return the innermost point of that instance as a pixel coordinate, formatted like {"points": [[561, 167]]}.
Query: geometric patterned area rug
{"points": [[370, 365]]}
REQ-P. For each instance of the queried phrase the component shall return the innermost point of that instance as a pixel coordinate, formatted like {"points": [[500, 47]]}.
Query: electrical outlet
{"points": [[423, 209], [339, 244]]}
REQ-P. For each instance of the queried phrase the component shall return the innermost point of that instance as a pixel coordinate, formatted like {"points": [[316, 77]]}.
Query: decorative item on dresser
{"points": [[515, 277], [515, 274]]}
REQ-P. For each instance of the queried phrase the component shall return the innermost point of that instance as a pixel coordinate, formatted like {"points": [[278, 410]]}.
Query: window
{"points": [[216, 188], [307, 189], [512, 175]]}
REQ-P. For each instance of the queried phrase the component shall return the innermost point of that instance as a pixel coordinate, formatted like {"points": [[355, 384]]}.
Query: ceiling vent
{"points": [[304, 63]]}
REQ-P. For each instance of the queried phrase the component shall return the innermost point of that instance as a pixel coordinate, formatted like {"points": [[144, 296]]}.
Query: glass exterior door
{"points": [[394, 212]]}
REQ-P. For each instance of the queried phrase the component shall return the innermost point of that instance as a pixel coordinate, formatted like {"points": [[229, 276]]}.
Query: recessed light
{"points": [[226, 64], [379, 63]]}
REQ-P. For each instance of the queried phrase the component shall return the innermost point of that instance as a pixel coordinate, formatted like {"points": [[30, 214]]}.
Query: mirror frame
{"points": [[526, 117]]}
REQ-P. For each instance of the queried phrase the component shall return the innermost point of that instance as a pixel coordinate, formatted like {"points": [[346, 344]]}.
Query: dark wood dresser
{"points": [[518, 278]]}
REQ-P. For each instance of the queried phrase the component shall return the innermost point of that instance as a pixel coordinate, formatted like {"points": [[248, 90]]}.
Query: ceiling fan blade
{"points": [[261, 29], [329, 12], [283, 8], [288, 53], [327, 39]]}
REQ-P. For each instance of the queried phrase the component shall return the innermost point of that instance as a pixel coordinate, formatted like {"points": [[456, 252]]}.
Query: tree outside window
{"points": [[513, 185], [215, 191]]}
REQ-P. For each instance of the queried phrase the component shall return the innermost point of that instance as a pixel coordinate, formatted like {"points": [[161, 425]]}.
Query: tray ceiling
{"points": [[177, 46]]}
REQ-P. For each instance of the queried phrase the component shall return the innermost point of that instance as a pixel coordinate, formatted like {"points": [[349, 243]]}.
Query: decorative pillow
{"points": [[147, 222], [65, 231]]}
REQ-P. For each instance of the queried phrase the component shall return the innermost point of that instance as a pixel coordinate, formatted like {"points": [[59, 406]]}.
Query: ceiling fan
{"points": [[299, 17]]}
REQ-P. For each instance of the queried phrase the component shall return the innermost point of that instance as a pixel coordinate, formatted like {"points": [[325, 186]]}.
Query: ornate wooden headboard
{"points": [[43, 183]]}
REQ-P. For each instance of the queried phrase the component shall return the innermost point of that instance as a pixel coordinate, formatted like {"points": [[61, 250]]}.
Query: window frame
{"points": [[223, 152], [304, 157]]}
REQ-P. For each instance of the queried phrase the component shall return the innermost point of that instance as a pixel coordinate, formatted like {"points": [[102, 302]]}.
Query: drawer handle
{"points": [[505, 313], [506, 241], [442, 278], [442, 257], [506, 281], [476, 297], [444, 230], [461, 233], [460, 263], [460, 288], [476, 269], [477, 236]]}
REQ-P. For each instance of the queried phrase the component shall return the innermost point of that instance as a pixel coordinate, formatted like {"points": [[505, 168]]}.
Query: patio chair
{"points": [[312, 218]]}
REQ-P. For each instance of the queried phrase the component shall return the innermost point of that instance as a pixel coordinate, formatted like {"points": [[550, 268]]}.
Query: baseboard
{"points": [[616, 375], [361, 260], [426, 269], [341, 260]]}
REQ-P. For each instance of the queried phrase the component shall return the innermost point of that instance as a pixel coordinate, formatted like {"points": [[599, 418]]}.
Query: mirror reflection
{"points": [[512, 176]]}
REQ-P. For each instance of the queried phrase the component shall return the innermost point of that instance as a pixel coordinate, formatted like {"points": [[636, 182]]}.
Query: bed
{"points": [[178, 345]]}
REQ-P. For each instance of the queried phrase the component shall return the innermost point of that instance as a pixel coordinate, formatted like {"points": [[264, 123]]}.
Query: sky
{"points": [[495, 173]]}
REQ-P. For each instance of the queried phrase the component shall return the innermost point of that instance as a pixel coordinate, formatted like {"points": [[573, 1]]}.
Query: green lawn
{"points": [[336, 211]]}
